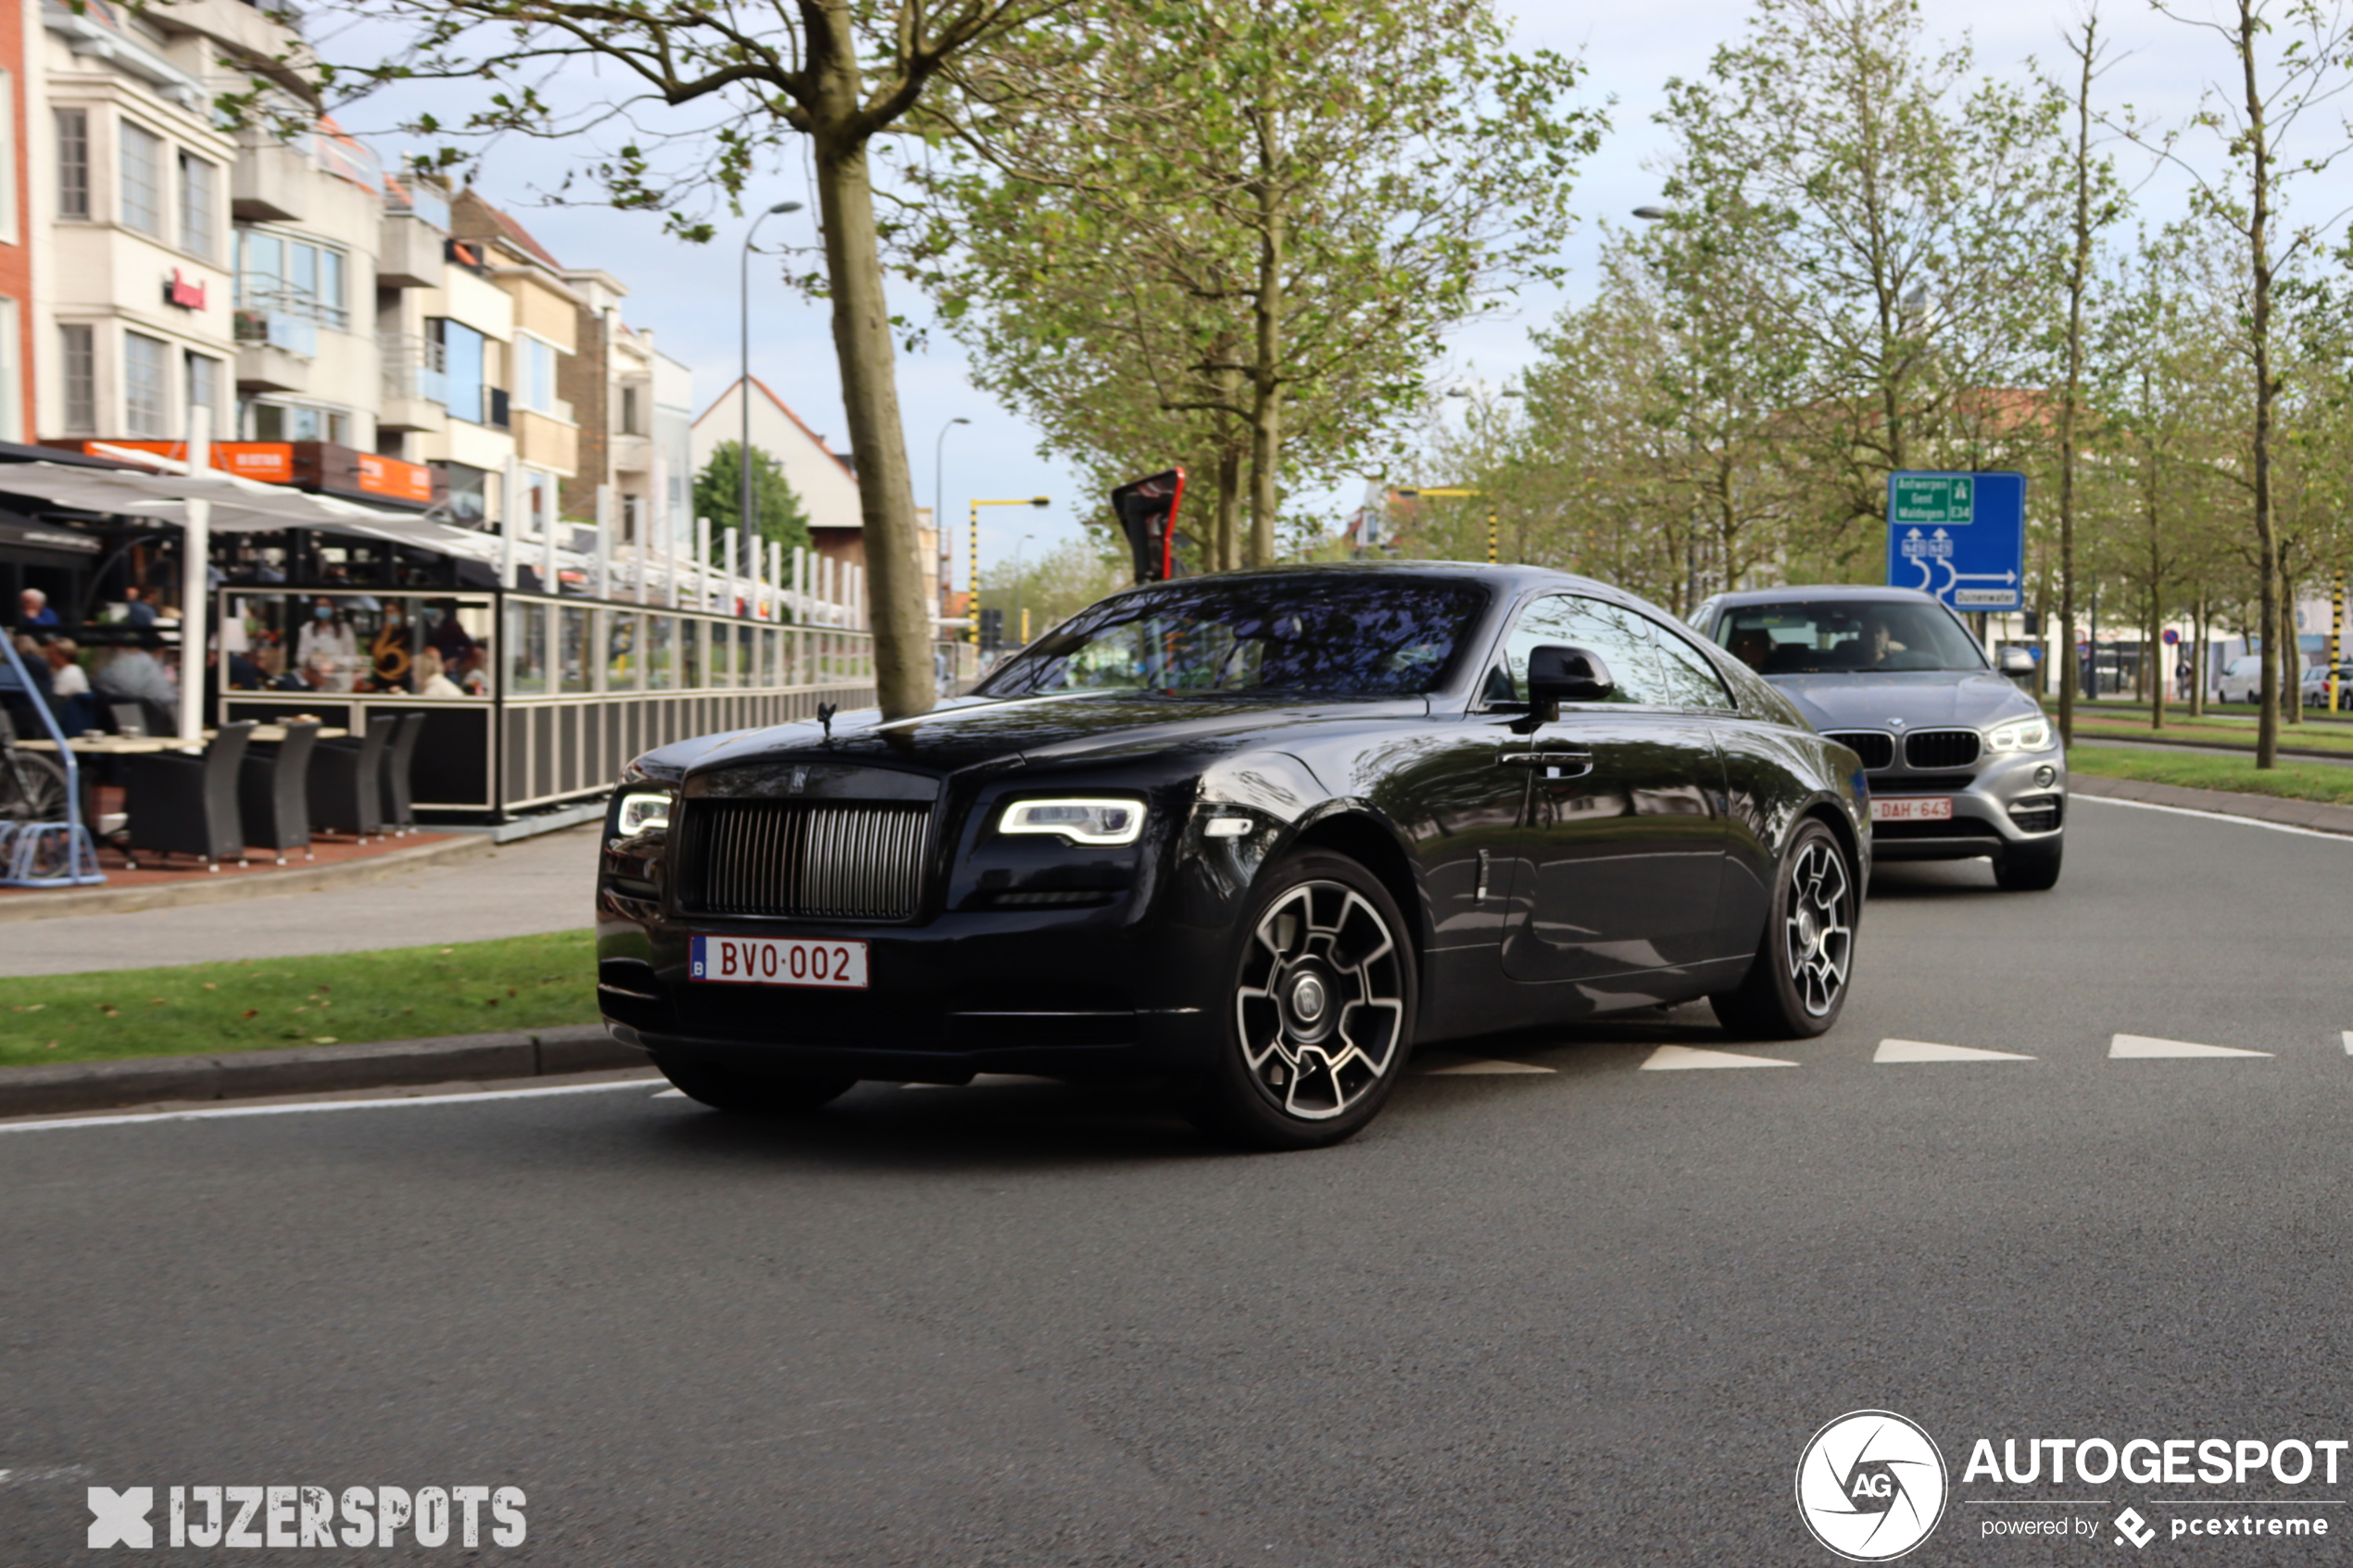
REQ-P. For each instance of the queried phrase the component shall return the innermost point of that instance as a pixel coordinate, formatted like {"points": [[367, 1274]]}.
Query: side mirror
{"points": [[2017, 661], [1558, 674]]}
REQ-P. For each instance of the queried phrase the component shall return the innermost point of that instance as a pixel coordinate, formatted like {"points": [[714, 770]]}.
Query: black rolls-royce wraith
{"points": [[1257, 836]]}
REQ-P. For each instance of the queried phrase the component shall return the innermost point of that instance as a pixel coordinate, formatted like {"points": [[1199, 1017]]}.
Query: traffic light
{"points": [[992, 630]]}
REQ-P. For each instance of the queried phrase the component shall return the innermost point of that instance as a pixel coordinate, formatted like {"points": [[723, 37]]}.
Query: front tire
{"points": [[1318, 1010], [2028, 871], [1797, 986], [741, 1093]]}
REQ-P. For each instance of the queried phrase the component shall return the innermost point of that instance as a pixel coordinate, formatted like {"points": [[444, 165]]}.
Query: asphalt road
{"points": [[1583, 1315]]}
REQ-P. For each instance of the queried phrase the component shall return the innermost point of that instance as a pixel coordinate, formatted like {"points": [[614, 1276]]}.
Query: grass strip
{"points": [[2309, 737], [253, 1004], [2210, 770]]}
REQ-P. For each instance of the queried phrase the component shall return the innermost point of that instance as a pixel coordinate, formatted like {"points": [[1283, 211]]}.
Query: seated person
{"points": [[432, 679], [76, 708], [1753, 646], [135, 675]]}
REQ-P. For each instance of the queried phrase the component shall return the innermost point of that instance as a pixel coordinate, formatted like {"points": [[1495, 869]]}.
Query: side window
{"points": [[1620, 637], [1688, 679]]}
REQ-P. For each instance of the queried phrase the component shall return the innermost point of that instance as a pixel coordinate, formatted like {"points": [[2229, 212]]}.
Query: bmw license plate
{"points": [[780, 961], [1911, 809]]}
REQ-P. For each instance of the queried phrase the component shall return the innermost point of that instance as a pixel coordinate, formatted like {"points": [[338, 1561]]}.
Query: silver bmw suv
{"points": [[1961, 763]]}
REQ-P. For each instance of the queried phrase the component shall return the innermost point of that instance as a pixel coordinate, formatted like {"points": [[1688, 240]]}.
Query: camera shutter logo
{"points": [[1871, 1486]]}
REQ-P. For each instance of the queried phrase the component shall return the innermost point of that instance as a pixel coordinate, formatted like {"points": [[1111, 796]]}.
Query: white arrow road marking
{"points": [[1685, 1058], [1465, 1069], [2143, 1045], [2349, 1042], [1924, 1050]]}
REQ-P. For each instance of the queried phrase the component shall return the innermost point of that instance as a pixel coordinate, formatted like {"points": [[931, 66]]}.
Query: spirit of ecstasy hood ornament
{"points": [[825, 712]]}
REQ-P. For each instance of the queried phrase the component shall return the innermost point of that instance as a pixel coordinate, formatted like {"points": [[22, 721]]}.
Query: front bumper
{"points": [[1066, 993], [2006, 810]]}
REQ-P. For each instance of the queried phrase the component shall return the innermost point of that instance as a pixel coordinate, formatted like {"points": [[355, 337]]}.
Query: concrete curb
{"points": [[300, 1070], [230, 886], [2317, 816]]}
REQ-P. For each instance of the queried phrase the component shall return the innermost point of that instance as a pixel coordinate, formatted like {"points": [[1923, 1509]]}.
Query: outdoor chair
{"points": [[346, 784], [129, 718], [273, 794], [400, 749], [184, 804]]}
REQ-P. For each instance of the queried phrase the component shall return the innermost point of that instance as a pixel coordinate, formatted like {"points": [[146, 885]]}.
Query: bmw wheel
{"points": [[1319, 1013], [1797, 984]]}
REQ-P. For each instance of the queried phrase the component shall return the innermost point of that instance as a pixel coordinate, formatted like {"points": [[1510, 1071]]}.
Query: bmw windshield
{"points": [[1847, 636], [1359, 635]]}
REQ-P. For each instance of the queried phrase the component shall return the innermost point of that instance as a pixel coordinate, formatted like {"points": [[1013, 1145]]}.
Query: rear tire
{"points": [[741, 1093], [1318, 1010], [2028, 871], [1797, 986]]}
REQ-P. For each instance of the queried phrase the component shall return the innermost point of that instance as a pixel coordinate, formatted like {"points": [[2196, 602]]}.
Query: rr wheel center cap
{"points": [[1308, 1000], [1808, 933]]}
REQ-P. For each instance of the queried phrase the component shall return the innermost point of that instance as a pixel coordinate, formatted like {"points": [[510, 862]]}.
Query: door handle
{"points": [[1553, 763]]}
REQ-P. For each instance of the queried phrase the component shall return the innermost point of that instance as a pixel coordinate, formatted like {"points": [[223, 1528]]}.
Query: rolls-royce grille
{"points": [[1941, 748], [816, 860], [1876, 750]]}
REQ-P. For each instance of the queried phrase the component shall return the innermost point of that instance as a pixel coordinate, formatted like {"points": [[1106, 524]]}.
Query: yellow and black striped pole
{"points": [[1492, 531], [2336, 637]]}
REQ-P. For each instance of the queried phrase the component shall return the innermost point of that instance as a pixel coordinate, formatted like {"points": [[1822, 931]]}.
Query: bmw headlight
{"points": [[1082, 819], [2020, 735], [642, 810]]}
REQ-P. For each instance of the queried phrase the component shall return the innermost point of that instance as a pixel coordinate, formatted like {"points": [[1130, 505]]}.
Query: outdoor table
{"points": [[135, 746]]}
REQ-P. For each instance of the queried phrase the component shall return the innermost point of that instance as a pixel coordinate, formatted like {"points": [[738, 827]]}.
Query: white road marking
{"points": [[2348, 1036], [1684, 1059], [670, 1093], [2211, 816], [2148, 1046], [1924, 1050], [1467, 1069], [210, 1114]]}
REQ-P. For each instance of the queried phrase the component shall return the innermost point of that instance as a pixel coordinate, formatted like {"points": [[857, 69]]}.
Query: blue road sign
{"points": [[1961, 536]]}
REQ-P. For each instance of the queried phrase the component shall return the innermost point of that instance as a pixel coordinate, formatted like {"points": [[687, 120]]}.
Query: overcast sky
{"points": [[687, 294]]}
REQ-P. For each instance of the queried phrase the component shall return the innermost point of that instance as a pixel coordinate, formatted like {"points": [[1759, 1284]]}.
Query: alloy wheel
{"points": [[1320, 1007], [1817, 934]]}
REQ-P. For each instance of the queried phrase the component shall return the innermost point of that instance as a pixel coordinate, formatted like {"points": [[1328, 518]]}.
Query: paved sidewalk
{"points": [[536, 885]]}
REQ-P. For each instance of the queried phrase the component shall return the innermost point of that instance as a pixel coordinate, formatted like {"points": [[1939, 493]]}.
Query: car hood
{"points": [[973, 732], [1908, 699]]}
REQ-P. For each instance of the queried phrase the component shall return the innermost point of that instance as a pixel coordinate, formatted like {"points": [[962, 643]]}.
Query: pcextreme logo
{"points": [[1871, 1486]]}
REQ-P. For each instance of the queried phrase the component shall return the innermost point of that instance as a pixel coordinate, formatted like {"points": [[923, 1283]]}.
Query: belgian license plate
{"points": [[1914, 808], [780, 961]]}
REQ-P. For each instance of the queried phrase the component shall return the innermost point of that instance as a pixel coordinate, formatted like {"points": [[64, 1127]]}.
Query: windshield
{"points": [[1878, 637], [1346, 637]]}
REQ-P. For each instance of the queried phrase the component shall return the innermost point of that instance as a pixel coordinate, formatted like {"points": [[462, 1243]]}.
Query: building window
{"points": [[462, 354], [9, 160], [11, 376], [282, 275], [79, 350], [292, 421], [204, 389], [141, 179], [629, 416], [469, 489], [73, 163], [146, 391], [199, 191], [535, 382]]}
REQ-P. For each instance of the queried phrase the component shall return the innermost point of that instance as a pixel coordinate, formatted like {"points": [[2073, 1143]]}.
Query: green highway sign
{"points": [[1929, 498]]}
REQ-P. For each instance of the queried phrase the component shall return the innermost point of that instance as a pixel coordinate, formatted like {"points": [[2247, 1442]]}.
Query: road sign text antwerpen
{"points": [[1960, 537]]}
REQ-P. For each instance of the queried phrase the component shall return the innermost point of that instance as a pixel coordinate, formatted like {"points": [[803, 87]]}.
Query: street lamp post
{"points": [[940, 510], [744, 522], [972, 609], [1019, 615]]}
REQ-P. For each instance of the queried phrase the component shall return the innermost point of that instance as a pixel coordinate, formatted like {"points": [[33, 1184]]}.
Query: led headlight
{"points": [[1080, 820], [643, 810], [2020, 735]]}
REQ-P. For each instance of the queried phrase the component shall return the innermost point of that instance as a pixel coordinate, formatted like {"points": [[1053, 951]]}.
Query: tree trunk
{"points": [[1266, 387], [2198, 660], [2257, 142], [2078, 270], [903, 682], [2291, 652], [1228, 556]]}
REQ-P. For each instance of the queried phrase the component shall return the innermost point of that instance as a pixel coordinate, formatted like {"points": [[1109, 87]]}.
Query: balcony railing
{"points": [[414, 367], [279, 328]]}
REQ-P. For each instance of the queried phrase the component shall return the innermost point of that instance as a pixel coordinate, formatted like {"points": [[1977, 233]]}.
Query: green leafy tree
{"points": [[718, 495], [1263, 213], [677, 103]]}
